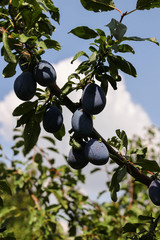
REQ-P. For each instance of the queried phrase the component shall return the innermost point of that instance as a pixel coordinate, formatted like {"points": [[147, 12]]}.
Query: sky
{"points": [[136, 102]]}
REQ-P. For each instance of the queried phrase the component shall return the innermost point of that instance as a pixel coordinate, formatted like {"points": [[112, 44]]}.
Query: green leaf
{"points": [[84, 32], [147, 4], [123, 65], [134, 38], [27, 16], [93, 57], [117, 29], [123, 48], [11, 58], [48, 43], [24, 108], [143, 218], [79, 54], [148, 165], [123, 136], [9, 70], [31, 133], [4, 187], [60, 134], [98, 5], [23, 38]]}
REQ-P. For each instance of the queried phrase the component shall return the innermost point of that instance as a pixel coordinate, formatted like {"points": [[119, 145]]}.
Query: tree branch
{"points": [[119, 159]]}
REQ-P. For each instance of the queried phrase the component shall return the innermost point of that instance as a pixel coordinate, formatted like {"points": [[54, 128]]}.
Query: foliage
{"points": [[37, 199]]}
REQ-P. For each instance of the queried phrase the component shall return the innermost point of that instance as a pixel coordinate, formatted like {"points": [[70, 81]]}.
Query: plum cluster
{"points": [[93, 101], [25, 87]]}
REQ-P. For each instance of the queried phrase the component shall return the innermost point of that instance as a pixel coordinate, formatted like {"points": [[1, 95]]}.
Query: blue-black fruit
{"points": [[154, 192], [76, 158], [45, 73], [96, 152], [25, 86], [82, 123], [93, 99], [52, 119]]}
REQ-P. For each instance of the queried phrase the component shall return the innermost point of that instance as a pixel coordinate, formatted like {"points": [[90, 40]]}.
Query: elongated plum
{"points": [[45, 73], [76, 158], [82, 123], [96, 152], [93, 99], [52, 119], [154, 192], [25, 86]]}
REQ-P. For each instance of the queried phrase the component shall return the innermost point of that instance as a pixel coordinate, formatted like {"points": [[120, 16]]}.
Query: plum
{"points": [[25, 86], [82, 123], [93, 99], [76, 158], [52, 119], [96, 152], [154, 192], [45, 73]]}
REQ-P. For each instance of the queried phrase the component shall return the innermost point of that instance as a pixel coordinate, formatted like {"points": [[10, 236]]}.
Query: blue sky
{"points": [[145, 88]]}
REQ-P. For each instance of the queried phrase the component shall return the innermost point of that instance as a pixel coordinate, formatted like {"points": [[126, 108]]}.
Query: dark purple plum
{"points": [[45, 73], [96, 152], [52, 119], [76, 158], [25, 86], [82, 123], [93, 99], [154, 192]]}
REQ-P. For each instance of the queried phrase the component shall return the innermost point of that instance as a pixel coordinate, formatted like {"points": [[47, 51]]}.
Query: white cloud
{"points": [[120, 112]]}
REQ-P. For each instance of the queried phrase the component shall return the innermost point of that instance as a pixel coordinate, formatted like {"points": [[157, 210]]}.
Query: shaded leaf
{"points": [[134, 38], [148, 165], [31, 133], [9, 70], [84, 32], [11, 58], [79, 54], [60, 134], [131, 227], [24, 108], [4, 187]]}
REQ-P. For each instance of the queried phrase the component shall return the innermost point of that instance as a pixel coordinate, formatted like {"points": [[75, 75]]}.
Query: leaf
{"points": [[143, 218], [148, 165], [98, 5], [93, 57], [134, 38], [23, 38], [84, 32], [10, 56], [124, 48], [131, 227], [123, 136], [147, 4], [51, 140], [24, 108], [31, 133], [79, 54], [48, 43], [117, 29], [124, 65], [60, 134], [9, 70], [4, 187]]}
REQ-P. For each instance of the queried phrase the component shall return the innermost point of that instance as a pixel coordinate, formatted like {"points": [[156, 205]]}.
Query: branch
{"points": [[119, 159]]}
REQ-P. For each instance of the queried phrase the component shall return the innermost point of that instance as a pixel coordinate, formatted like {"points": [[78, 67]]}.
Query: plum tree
{"points": [[45, 73], [154, 192], [82, 123], [52, 119], [23, 63], [76, 158], [96, 152], [93, 99], [25, 86]]}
